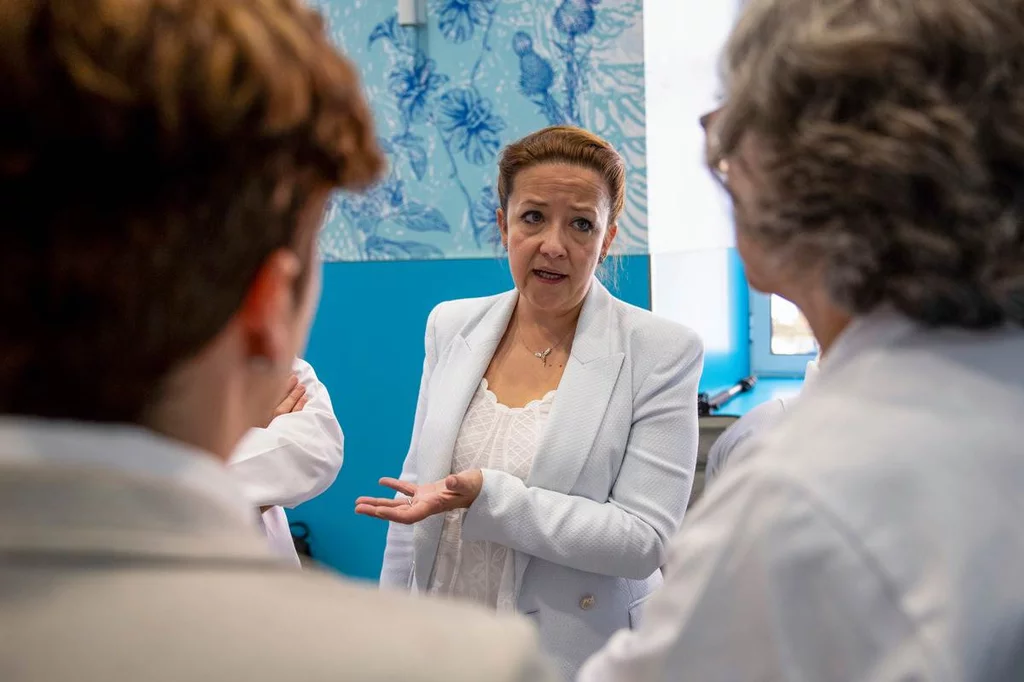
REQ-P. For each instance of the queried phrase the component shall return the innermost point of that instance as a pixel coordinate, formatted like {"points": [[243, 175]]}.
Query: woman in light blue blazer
{"points": [[555, 436]]}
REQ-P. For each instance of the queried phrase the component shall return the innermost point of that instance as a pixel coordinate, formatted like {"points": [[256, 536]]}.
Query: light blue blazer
{"points": [[610, 481]]}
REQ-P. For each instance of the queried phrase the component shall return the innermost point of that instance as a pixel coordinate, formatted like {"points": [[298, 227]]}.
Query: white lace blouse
{"points": [[492, 436]]}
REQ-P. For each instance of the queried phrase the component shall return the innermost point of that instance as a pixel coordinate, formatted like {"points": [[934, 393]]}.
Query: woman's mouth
{"points": [[549, 277]]}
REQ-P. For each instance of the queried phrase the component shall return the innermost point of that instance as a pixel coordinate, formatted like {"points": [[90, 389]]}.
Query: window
{"points": [[781, 343]]}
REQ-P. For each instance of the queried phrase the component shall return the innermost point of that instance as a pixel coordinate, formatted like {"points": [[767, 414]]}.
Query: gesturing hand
{"points": [[457, 491]]}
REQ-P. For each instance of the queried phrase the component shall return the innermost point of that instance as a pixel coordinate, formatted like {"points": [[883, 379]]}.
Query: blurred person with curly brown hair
{"points": [[874, 152], [164, 167]]}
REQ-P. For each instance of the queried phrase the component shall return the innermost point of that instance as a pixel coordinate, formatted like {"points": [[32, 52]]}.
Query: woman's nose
{"points": [[554, 243]]}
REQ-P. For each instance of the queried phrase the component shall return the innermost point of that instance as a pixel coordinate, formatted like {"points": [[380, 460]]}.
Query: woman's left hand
{"points": [[457, 491]]}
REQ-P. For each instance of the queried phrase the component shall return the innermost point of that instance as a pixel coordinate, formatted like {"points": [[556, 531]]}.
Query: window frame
{"points": [[764, 363]]}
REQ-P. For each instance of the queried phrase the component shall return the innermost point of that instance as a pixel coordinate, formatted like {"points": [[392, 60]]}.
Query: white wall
{"points": [[682, 40], [690, 232]]}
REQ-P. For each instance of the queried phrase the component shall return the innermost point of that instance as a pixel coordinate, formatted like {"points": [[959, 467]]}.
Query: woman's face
{"points": [[556, 232]]}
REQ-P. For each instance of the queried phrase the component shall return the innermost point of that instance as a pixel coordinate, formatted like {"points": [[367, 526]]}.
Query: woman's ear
{"points": [[502, 227], [609, 238]]}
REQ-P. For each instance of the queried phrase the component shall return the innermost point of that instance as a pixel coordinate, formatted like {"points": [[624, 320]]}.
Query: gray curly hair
{"points": [[893, 133]]}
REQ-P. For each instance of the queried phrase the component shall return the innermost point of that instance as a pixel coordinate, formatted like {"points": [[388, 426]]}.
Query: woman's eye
{"points": [[532, 217], [583, 225]]}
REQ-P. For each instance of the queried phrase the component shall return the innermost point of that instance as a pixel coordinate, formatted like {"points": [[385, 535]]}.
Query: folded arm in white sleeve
{"points": [[298, 456], [396, 571], [626, 535]]}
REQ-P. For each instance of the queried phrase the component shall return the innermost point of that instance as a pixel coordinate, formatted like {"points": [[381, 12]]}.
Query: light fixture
{"points": [[411, 12]]}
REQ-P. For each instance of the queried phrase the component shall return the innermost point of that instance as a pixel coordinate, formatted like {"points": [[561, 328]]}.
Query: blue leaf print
{"points": [[379, 248], [385, 30], [412, 86], [385, 145], [363, 212], [417, 153], [391, 32], [408, 140], [460, 18], [421, 218], [419, 251], [393, 191], [483, 214], [418, 161], [467, 122]]}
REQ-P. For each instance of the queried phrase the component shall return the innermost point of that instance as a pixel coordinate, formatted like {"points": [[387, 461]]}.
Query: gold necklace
{"points": [[543, 354]]}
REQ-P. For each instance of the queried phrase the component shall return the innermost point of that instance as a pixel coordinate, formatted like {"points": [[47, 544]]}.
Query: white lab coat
{"points": [[126, 556], [293, 460], [874, 535], [727, 450]]}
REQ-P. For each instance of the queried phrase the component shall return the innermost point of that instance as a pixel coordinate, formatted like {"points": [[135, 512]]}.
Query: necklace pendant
{"points": [[543, 356]]}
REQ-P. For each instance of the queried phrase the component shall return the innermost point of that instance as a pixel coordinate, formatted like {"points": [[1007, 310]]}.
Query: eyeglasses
{"points": [[717, 163]]}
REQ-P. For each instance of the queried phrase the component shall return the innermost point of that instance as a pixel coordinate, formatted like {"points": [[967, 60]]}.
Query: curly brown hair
{"points": [[153, 154], [893, 133]]}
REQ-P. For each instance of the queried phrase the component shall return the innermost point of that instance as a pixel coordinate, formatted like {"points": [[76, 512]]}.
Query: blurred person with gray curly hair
{"points": [[874, 153]]}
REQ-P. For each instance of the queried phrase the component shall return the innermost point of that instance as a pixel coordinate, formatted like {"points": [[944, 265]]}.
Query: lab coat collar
{"points": [[877, 329], [122, 448], [120, 492], [811, 372]]}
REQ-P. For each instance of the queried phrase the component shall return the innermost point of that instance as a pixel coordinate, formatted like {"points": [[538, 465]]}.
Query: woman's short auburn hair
{"points": [[569, 145], [891, 149], [153, 154]]}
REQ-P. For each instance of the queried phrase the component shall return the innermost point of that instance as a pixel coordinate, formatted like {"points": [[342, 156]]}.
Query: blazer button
{"points": [[588, 602]]}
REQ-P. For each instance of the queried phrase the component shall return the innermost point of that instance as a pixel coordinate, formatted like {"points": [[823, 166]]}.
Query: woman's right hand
{"points": [[457, 491]]}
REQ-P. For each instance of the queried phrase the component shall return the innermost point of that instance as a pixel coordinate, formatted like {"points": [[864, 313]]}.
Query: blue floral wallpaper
{"points": [[450, 94]]}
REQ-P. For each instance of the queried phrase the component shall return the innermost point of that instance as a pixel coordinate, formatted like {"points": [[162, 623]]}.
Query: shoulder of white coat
{"points": [[449, 318], [858, 435], [505, 646], [650, 339], [363, 646], [756, 501], [762, 417], [754, 424]]}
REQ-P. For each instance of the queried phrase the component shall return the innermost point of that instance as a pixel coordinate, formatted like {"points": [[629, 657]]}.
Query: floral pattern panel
{"points": [[448, 95]]}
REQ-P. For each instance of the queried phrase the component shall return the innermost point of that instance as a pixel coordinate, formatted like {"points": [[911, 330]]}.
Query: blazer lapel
{"points": [[579, 406], [467, 361], [576, 416]]}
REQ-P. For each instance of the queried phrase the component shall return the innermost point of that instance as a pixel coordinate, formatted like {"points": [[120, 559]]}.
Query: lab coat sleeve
{"points": [[297, 456], [626, 535], [397, 568], [764, 583], [733, 446]]}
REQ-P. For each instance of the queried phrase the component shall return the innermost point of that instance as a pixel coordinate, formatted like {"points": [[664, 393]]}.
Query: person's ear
{"points": [[502, 227], [268, 310], [609, 238]]}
